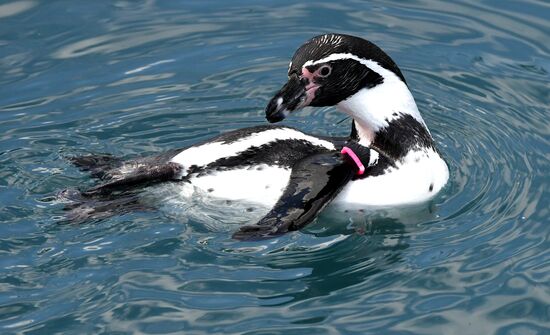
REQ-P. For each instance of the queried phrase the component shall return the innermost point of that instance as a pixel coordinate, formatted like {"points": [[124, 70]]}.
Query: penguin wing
{"points": [[314, 182]]}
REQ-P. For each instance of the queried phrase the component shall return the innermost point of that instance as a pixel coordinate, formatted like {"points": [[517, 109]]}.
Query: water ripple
{"points": [[134, 78]]}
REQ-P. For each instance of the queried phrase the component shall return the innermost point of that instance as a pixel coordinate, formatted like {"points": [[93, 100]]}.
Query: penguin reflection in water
{"points": [[389, 158]]}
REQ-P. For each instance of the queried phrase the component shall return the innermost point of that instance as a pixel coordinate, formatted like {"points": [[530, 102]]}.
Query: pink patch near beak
{"points": [[311, 87]]}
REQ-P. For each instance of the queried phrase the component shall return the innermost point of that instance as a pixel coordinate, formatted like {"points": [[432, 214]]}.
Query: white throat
{"points": [[372, 109]]}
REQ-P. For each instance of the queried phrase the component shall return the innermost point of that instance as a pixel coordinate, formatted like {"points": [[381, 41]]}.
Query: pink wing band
{"points": [[356, 160]]}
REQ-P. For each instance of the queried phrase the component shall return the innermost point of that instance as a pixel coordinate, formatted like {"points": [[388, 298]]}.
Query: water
{"points": [[140, 77]]}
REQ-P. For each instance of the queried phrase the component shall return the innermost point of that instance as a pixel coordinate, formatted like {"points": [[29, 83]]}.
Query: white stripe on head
{"points": [[373, 108], [374, 66]]}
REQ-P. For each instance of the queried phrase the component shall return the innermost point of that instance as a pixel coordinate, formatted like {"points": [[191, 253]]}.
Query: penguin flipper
{"points": [[313, 184]]}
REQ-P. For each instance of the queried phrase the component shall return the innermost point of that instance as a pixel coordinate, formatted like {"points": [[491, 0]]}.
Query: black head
{"points": [[328, 69]]}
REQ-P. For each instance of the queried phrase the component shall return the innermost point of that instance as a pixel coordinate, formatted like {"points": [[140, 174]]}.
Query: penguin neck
{"points": [[386, 118]]}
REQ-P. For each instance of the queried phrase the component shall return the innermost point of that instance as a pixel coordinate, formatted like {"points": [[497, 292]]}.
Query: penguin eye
{"points": [[324, 71]]}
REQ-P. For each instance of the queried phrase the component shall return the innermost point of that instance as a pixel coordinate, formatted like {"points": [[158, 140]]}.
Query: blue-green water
{"points": [[141, 77]]}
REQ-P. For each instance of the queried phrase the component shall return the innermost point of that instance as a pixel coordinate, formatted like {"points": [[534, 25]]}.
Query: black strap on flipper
{"points": [[314, 183]]}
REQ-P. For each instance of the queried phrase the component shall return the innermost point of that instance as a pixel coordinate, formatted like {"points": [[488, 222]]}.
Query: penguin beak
{"points": [[297, 93]]}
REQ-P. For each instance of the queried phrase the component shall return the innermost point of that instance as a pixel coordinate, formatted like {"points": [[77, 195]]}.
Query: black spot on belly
{"points": [[431, 187], [210, 190]]}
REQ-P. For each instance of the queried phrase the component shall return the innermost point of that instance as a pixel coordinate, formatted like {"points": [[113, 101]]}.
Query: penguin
{"points": [[389, 158]]}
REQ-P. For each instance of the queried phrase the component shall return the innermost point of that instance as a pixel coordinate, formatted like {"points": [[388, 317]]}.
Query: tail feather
{"points": [[140, 176]]}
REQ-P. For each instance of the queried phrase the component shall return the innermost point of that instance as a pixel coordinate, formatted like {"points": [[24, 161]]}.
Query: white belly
{"points": [[237, 196], [418, 179], [260, 184], [412, 182]]}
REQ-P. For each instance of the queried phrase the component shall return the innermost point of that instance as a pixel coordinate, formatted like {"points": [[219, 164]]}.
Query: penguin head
{"points": [[329, 69]]}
